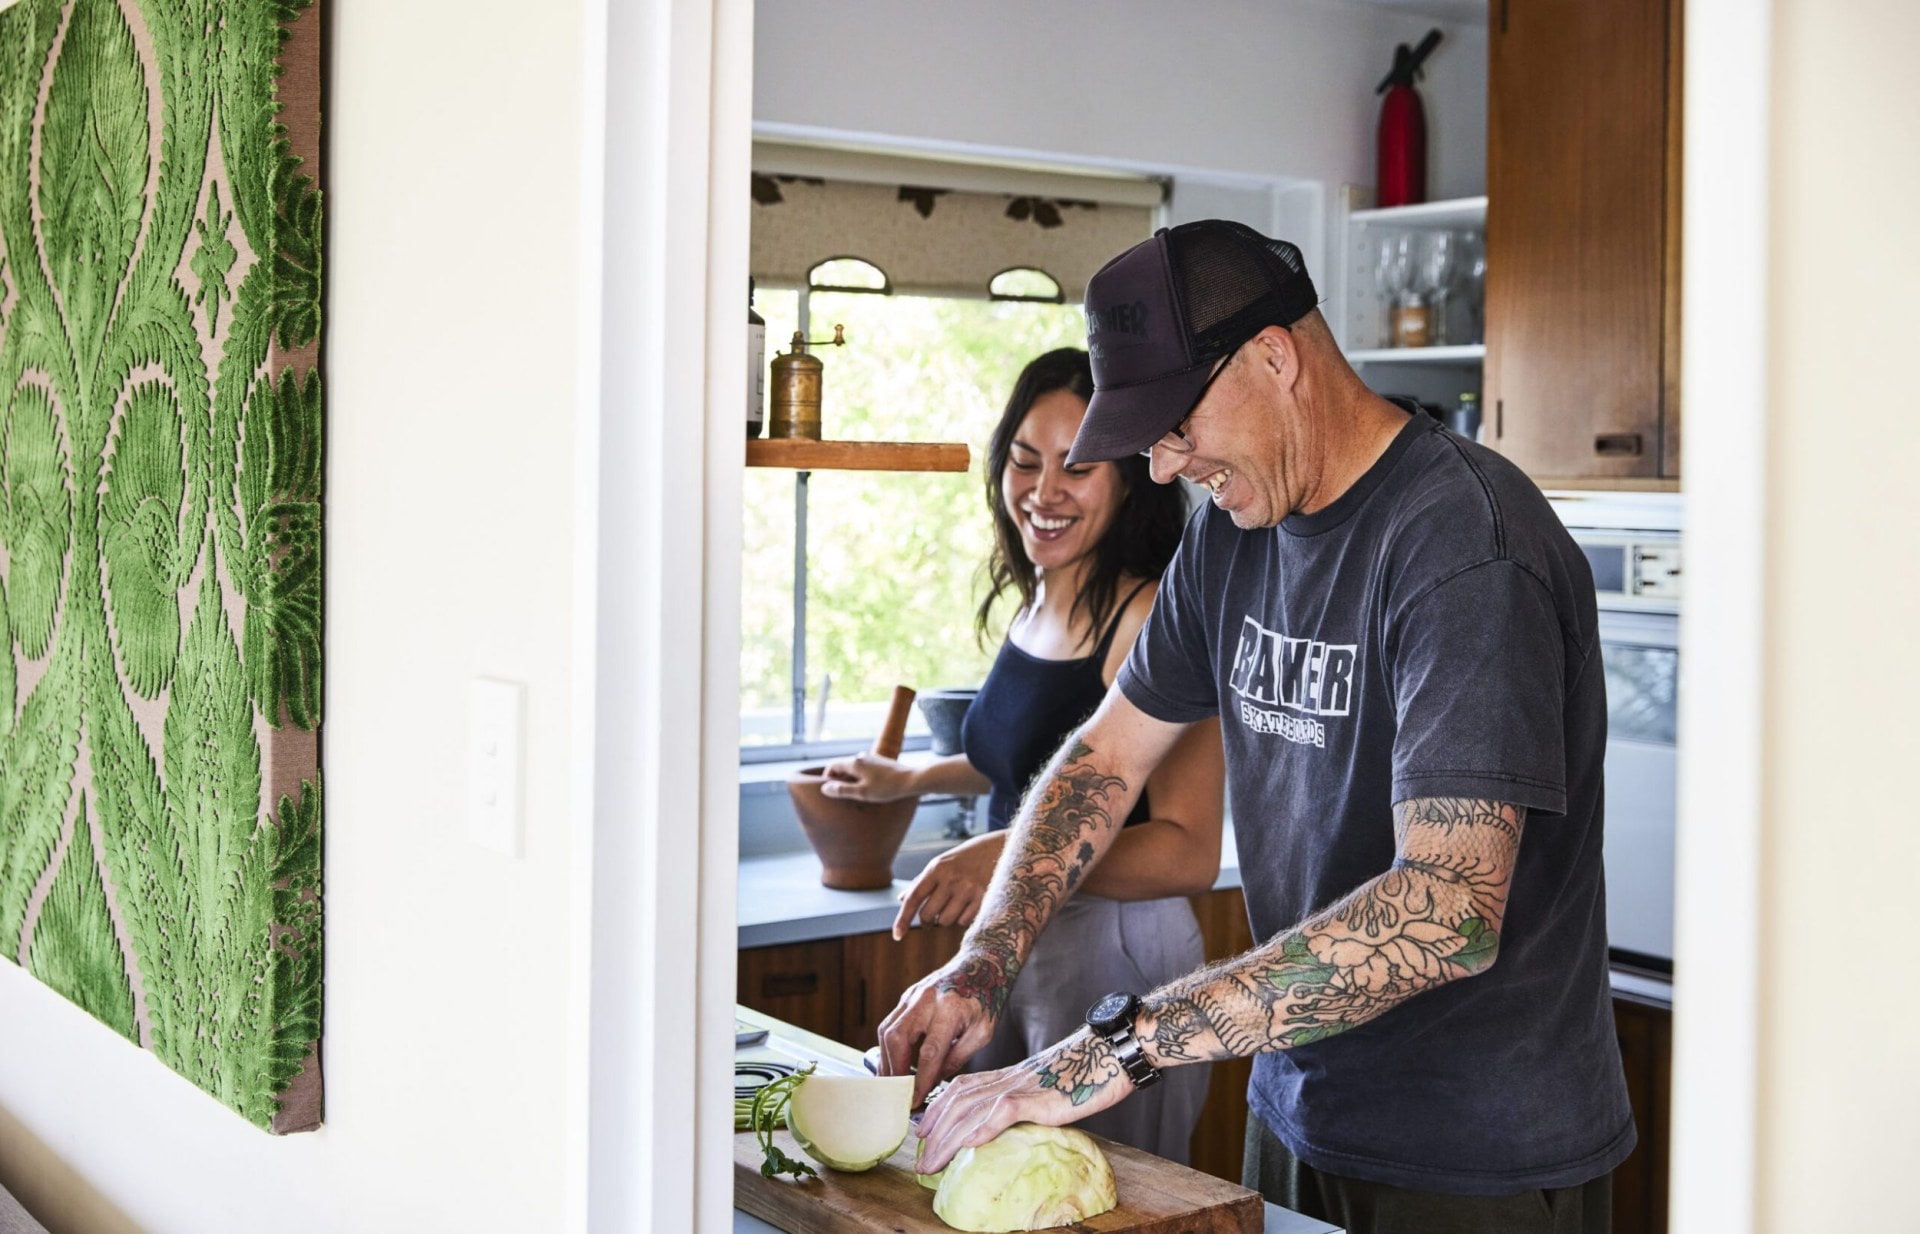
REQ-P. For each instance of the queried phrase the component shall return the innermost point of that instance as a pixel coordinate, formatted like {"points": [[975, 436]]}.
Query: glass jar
{"points": [[1410, 321]]}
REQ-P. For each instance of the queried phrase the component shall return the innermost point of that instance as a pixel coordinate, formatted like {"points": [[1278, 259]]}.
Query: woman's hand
{"points": [[951, 887], [868, 777]]}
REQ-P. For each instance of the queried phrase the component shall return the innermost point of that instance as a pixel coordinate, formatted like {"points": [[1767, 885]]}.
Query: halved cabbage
{"points": [[930, 1181], [850, 1123], [1028, 1177]]}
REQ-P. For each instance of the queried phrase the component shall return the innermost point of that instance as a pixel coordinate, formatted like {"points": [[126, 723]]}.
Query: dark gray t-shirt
{"points": [[1432, 633]]}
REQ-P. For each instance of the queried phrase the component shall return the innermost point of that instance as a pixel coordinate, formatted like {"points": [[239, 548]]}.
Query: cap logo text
{"points": [[1118, 319]]}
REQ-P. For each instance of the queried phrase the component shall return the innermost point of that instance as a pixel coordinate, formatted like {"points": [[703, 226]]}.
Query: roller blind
{"points": [[938, 228]]}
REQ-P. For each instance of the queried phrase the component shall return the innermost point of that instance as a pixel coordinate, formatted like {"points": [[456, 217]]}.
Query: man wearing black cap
{"points": [[1400, 640]]}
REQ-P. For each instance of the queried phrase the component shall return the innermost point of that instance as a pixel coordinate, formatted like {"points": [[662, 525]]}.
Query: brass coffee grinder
{"points": [[795, 408]]}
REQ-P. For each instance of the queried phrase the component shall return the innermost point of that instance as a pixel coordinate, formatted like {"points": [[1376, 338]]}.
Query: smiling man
{"points": [[1400, 639]]}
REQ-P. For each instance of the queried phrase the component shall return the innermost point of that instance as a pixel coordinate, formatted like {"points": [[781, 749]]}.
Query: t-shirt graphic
{"points": [[1303, 675]]}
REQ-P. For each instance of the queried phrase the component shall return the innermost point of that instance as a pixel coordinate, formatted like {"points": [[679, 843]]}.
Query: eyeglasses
{"points": [[1175, 441]]}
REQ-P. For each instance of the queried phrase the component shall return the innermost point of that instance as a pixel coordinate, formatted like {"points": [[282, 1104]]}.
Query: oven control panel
{"points": [[1637, 570]]}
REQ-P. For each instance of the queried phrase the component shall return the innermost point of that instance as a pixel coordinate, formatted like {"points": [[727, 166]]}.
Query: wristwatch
{"points": [[1112, 1017]]}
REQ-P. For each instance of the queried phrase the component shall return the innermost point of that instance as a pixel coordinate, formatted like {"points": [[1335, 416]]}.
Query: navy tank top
{"points": [[1026, 707]]}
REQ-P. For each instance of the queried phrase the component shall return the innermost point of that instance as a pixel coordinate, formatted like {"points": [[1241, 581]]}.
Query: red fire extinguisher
{"points": [[1403, 128]]}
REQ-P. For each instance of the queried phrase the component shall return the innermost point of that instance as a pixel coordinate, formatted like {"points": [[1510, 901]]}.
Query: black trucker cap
{"points": [[1162, 312]]}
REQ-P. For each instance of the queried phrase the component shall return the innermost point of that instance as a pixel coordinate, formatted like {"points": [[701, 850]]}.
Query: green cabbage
{"points": [[1028, 1177]]}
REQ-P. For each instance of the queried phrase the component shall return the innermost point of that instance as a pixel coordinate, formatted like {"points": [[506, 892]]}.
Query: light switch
{"points": [[493, 765]]}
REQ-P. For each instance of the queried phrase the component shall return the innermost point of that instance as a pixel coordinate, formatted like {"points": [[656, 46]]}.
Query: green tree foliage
{"points": [[894, 560]]}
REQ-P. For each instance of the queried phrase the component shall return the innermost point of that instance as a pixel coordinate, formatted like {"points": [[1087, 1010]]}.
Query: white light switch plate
{"points": [[493, 765]]}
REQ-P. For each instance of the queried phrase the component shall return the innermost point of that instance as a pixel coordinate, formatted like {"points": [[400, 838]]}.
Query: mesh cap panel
{"points": [[1232, 282]]}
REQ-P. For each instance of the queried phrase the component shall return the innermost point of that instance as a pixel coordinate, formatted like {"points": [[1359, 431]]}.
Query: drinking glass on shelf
{"points": [[1473, 282], [1393, 271], [1439, 265]]}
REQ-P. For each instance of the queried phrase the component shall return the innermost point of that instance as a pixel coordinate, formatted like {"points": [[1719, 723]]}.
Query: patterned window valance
{"points": [[936, 240]]}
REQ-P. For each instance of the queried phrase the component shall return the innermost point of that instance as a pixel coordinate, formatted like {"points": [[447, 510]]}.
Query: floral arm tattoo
{"points": [[1433, 917], [1056, 839]]}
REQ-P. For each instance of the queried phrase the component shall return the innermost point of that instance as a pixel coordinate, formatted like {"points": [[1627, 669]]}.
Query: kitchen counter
{"points": [[782, 901], [796, 1044], [1279, 1221]]}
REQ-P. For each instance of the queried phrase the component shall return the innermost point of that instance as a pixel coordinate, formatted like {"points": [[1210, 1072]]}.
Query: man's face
{"points": [[1229, 443]]}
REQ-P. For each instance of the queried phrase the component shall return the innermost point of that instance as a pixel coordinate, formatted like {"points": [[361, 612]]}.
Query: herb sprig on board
{"points": [[768, 1111]]}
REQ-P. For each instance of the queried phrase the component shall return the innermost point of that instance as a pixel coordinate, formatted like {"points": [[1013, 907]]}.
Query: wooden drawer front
{"points": [[797, 982], [879, 970]]}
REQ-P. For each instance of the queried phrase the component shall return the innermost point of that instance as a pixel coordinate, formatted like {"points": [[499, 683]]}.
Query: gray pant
{"points": [[1094, 947], [1377, 1208]]}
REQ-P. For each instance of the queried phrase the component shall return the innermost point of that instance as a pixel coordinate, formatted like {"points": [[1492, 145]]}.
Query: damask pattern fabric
{"points": [[160, 530]]}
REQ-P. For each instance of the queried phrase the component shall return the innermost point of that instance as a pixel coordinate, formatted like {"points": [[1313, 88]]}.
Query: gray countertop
{"points": [[782, 901]]}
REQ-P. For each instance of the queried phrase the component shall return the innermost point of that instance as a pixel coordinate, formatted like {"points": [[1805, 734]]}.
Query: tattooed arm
{"points": [[1066, 823], [1435, 916]]}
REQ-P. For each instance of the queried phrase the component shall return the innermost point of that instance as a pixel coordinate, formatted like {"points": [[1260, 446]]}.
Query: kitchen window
{"points": [[893, 567], [948, 279]]}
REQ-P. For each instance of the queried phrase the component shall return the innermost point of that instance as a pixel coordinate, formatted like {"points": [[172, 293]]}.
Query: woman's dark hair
{"points": [[1141, 539]]}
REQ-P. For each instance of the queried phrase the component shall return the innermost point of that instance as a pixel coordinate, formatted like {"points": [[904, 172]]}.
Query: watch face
{"points": [[1109, 1009]]}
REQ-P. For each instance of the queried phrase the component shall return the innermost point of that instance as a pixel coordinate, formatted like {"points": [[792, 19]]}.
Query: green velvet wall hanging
{"points": [[160, 522]]}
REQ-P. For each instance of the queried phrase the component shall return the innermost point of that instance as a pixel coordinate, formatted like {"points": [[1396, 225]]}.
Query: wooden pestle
{"points": [[894, 732]]}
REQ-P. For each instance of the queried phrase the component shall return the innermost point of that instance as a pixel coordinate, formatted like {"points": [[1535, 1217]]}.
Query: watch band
{"points": [[1127, 1049], [1133, 1059]]}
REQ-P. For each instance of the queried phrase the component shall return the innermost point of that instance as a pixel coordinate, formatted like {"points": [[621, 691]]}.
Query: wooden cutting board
{"points": [[1156, 1196]]}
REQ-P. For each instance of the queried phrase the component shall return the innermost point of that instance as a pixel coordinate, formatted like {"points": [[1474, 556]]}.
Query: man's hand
{"points": [[1059, 1085], [944, 1020]]}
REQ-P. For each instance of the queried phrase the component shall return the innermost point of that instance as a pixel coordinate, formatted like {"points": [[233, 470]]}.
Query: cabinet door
{"points": [[1220, 1138], [1646, 1052], [879, 970], [1577, 236], [798, 983]]}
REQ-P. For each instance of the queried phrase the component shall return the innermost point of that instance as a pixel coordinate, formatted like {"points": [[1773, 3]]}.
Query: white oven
{"points": [[1633, 545]]}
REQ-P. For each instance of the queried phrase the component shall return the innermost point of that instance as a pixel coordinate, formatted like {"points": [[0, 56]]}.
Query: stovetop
{"points": [[760, 1059]]}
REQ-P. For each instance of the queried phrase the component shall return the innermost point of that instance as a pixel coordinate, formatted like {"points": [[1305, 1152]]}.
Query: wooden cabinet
{"points": [[798, 983], [841, 988], [879, 970], [1583, 244], [1640, 1182]]}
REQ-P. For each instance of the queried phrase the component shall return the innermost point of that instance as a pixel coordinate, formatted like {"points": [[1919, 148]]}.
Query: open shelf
{"points": [[804, 454], [1464, 354], [1458, 212]]}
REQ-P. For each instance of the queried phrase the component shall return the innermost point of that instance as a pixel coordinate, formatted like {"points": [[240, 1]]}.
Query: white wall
{"points": [[453, 269], [1840, 1068], [1271, 88]]}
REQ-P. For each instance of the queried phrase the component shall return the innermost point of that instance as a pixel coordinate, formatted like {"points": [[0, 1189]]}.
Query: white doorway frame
{"points": [[667, 103], [1724, 366], [667, 88]]}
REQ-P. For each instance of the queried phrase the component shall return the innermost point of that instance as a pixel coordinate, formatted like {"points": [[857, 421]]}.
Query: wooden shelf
{"points": [[803, 454]]}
